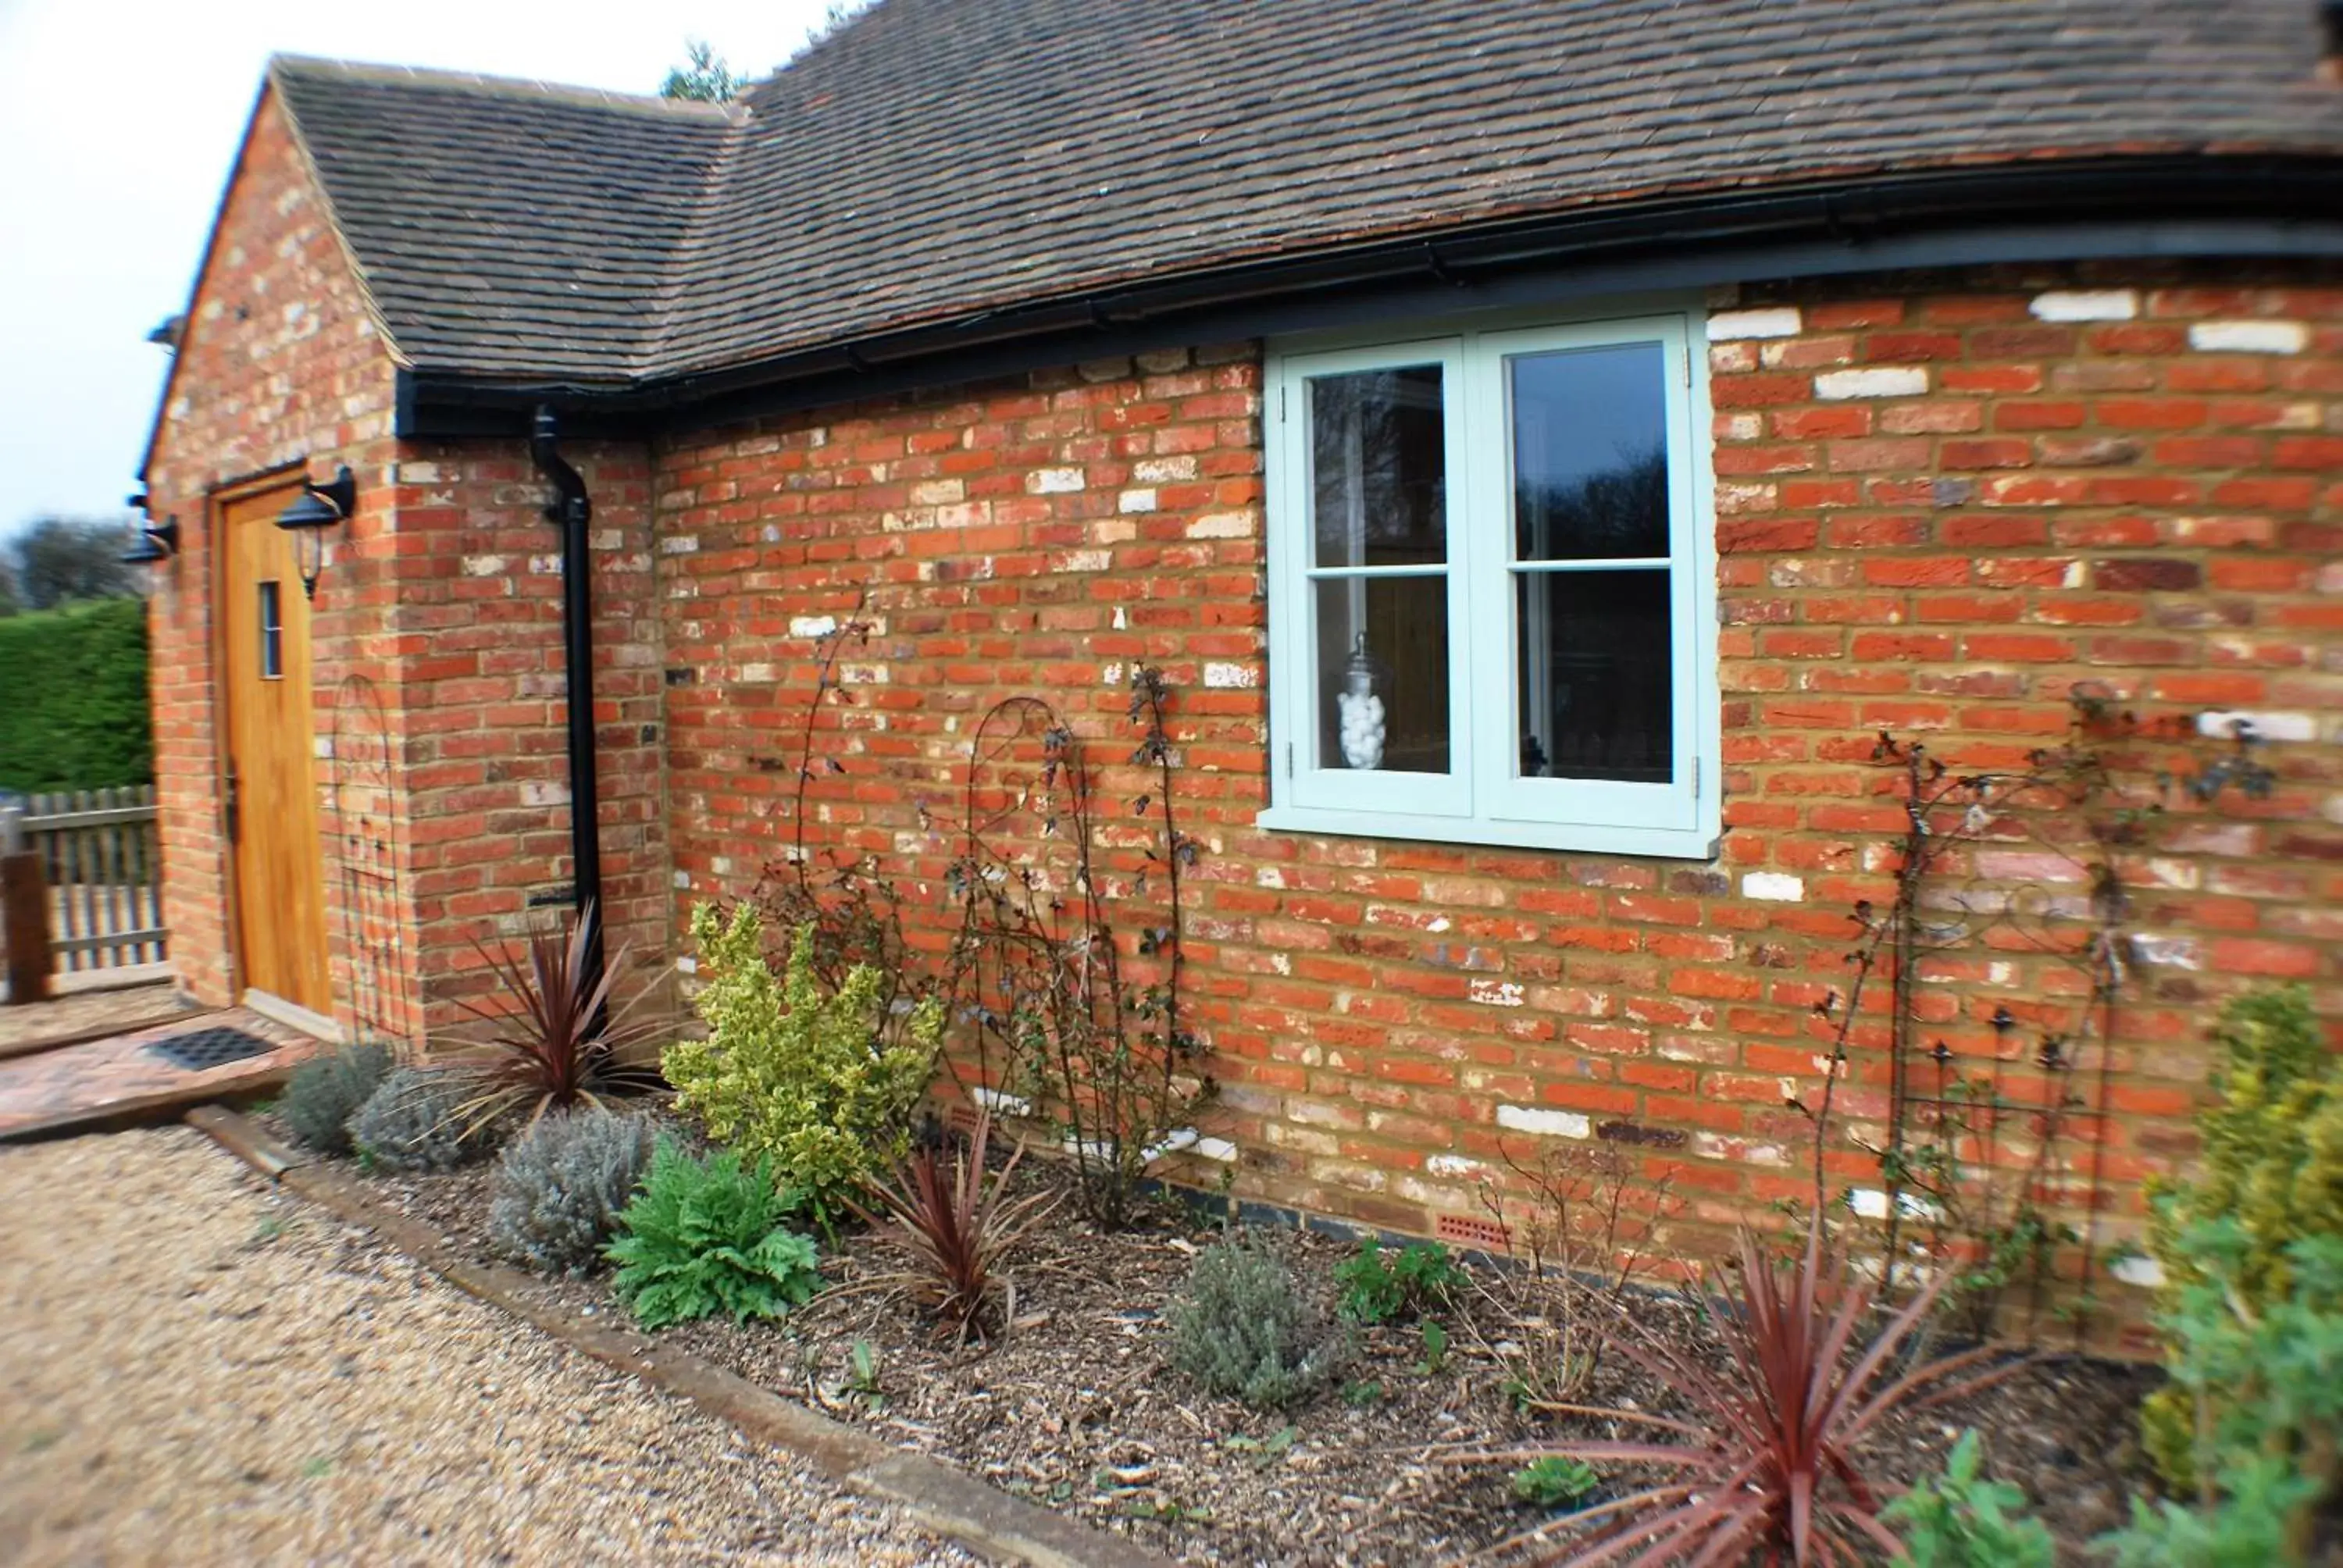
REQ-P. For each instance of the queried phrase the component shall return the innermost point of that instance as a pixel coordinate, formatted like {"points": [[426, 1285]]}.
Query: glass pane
{"points": [[1378, 469], [1590, 453], [1382, 674], [272, 632], [1595, 676]]}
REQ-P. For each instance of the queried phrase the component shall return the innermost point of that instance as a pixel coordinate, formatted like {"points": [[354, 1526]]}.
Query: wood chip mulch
{"points": [[1076, 1406]]}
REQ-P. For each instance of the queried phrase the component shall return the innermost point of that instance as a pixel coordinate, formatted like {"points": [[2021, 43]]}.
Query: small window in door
{"points": [[272, 633]]}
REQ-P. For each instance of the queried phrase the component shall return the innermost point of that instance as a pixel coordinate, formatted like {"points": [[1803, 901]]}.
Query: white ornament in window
{"points": [[1361, 709]]}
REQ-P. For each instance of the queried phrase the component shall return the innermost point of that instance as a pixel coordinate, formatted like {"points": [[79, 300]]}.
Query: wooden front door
{"points": [[270, 753]]}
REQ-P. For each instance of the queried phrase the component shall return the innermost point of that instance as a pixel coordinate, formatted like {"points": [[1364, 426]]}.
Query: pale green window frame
{"points": [[1483, 798]]}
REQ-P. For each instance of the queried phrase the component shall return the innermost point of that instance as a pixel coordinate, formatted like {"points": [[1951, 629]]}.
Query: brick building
{"points": [[1544, 443]]}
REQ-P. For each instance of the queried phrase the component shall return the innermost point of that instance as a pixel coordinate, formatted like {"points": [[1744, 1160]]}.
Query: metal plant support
{"points": [[365, 835]]}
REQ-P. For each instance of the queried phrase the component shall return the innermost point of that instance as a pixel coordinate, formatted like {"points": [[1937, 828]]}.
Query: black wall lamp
{"points": [[156, 542], [319, 507]]}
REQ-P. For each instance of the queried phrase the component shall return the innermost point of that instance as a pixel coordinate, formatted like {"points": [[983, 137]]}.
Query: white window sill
{"points": [[1673, 843]]}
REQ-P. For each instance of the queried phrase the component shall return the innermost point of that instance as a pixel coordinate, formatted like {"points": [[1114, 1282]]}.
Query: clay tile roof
{"points": [[508, 228], [939, 158]]}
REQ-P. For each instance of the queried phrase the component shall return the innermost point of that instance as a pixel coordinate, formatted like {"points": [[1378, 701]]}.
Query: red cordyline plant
{"points": [[550, 1044], [1766, 1470], [955, 1225]]}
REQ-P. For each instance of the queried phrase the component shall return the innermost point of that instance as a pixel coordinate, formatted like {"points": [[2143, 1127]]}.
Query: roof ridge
{"points": [[320, 66]]}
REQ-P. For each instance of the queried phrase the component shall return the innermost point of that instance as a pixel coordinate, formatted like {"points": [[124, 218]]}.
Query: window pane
{"points": [[1378, 469], [1382, 702], [272, 632], [1590, 453], [1595, 676]]}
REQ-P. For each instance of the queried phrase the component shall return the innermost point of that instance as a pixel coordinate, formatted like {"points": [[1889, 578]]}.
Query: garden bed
{"points": [[1076, 1406]]}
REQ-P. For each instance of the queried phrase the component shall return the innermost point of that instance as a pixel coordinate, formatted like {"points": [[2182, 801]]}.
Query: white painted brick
{"points": [[862, 675], [2267, 726], [1767, 321], [755, 674], [687, 964], [680, 545], [1163, 470], [2086, 305], [544, 792], [1876, 381], [937, 492], [1231, 677], [1086, 561], [1135, 501], [812, 626], [1496, 993], [1778, 886], [483, 566], [679, 879], [1452, 1165], [2167, 952], [1221, 526], [2249, 336], [1000, 1102], [1546, 1123], [1053, 481]]}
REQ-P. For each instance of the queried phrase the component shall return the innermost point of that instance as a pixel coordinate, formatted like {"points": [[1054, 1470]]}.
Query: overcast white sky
{"points": [[118, 119]]}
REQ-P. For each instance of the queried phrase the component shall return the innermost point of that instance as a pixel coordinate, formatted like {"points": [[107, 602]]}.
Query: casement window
{"points": [[1493, 587]]}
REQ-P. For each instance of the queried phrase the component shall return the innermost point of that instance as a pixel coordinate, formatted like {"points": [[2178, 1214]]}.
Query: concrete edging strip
{"points": [[946, 1501]]}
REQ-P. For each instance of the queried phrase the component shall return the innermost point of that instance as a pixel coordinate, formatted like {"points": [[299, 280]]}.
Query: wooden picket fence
{"points": [[104, 867]]}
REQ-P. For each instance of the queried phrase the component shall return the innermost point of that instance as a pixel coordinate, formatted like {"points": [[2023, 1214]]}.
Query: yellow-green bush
{"points": [[2272, 1162], [793, 1072]]}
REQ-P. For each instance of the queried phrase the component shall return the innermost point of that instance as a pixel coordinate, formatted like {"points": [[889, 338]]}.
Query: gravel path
{"points": [[195, 1368]]}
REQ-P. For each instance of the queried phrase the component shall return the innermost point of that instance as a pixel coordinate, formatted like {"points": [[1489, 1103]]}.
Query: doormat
{"points": [[208, 1047]]}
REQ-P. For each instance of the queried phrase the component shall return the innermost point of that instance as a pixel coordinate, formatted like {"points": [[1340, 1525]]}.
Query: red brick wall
{"points": [[477, 624], [281, 362], [1943, 501], [444, 592]]}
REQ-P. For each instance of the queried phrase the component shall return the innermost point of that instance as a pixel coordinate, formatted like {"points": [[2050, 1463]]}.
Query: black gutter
{"points": [[572, 510], [2163, 207]]}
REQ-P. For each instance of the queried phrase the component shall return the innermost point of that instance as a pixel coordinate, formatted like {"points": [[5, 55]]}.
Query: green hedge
{"points": [[73, 698]]}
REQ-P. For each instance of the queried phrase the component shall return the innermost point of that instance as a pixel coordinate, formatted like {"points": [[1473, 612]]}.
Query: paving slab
{"points": [[119, 1077]]}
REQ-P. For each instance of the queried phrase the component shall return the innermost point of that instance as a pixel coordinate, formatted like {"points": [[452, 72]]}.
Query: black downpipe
{"points": [[572, 510]]}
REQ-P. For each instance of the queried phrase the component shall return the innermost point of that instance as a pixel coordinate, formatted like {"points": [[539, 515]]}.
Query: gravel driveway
{"points": [[195, 1368]]}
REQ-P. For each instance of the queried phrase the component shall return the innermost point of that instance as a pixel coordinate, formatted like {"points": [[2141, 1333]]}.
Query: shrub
{"points": [[76, 717], [2252, 1525], [1240, 1327], [1418, 1276], [2254, 1384], [1960, 1521], [413, 1121], [323, 1091], [562, 1184], [794, 1073], [554, 1044], [1769, 1468], [2273, 1166], [704, 1236], [956, 1227]]}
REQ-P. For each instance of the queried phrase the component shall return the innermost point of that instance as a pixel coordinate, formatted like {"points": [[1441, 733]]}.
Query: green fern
{"points": [[790, 1073], [706, 1236]]}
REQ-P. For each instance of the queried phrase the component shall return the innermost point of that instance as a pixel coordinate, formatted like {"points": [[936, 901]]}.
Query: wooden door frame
{"points": [[215, 506]]}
